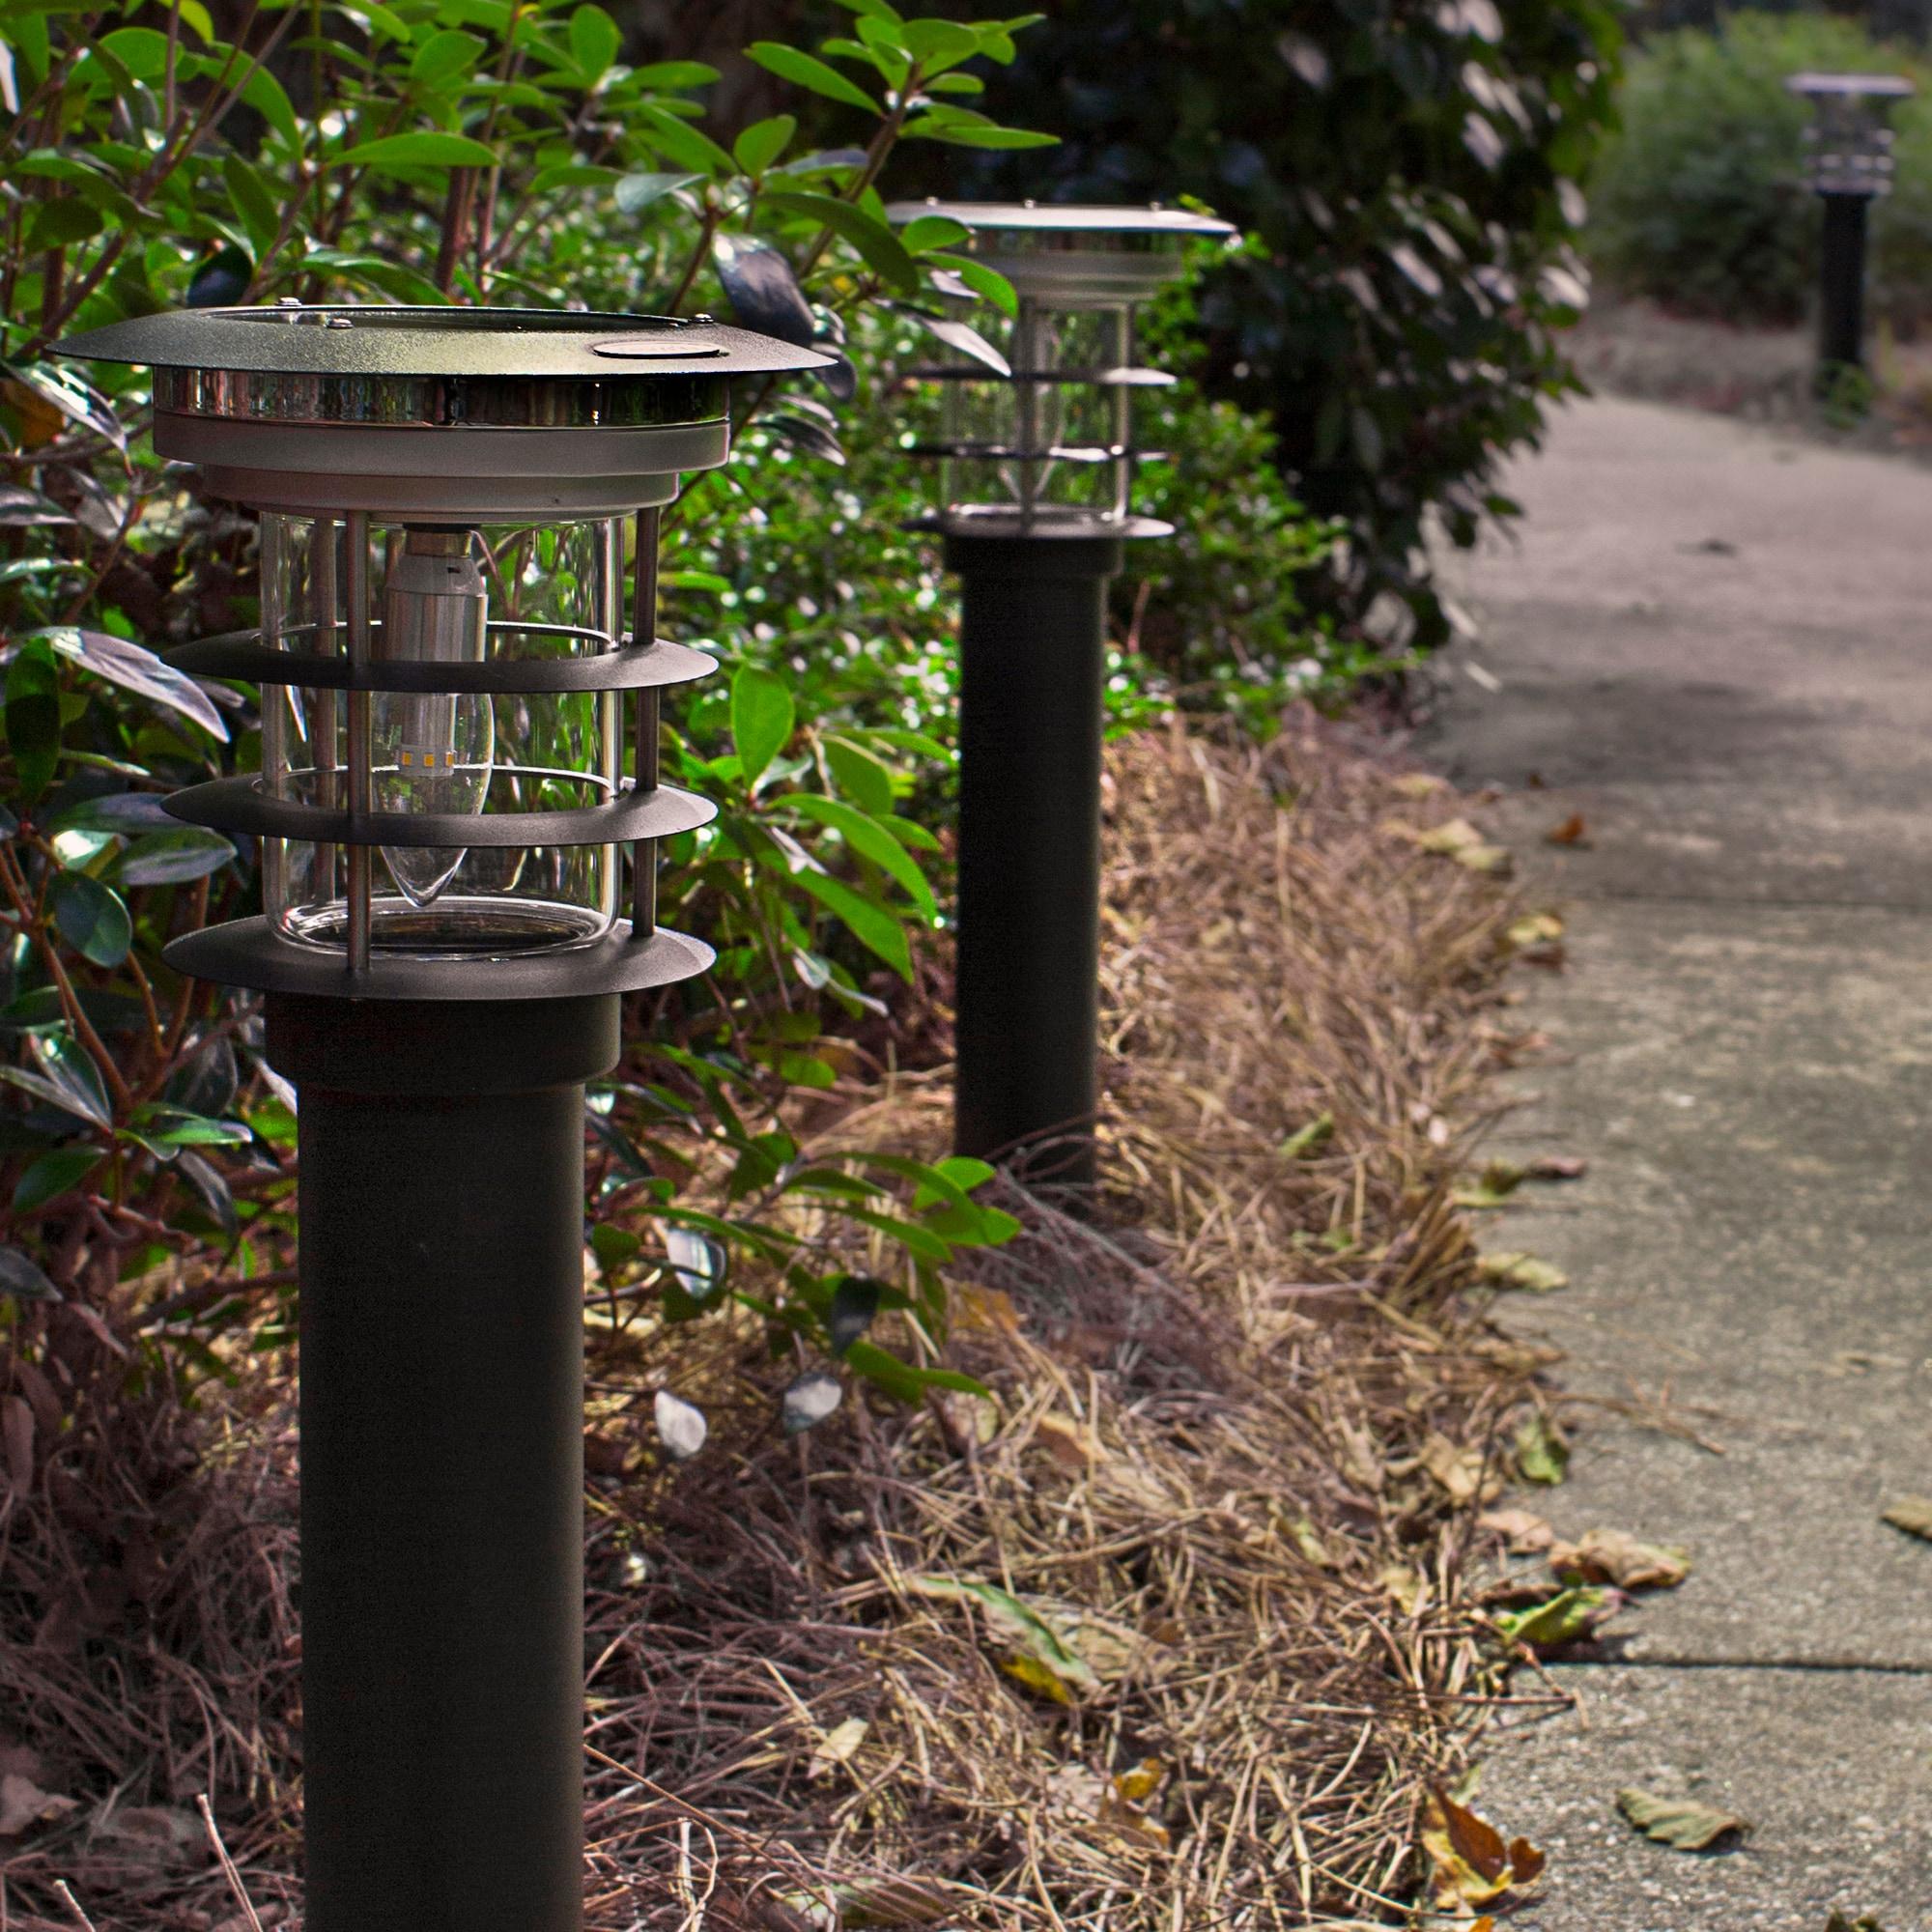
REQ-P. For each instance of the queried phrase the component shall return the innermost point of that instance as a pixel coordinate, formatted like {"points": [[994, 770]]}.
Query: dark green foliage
{"points": [[1407, 171], [464, 150], [1700, 201]]}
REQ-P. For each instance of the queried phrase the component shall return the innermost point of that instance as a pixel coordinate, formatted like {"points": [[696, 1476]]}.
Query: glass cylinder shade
{"points": [[1056, 438], [1035, 434], [454, 594]]}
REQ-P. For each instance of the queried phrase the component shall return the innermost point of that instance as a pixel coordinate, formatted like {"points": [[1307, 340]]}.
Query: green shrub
{"points": [[1700, 201], [1405, 170], [475, 150]]}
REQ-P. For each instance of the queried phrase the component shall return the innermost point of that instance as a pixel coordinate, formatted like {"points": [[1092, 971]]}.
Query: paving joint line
{"points": [[1823, 1666], [1572, 896]]}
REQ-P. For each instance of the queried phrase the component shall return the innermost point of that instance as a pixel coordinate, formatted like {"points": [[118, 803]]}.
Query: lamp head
{"points": [[1042, 446], [452, 502], [1850, 144]]}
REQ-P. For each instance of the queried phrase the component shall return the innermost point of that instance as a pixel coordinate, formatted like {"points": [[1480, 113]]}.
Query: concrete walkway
{"points": [[1717, 646]]}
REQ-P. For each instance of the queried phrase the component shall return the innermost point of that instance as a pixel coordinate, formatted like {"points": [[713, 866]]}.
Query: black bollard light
{"points": [[1036, 502], [1850, 167], [447, 498]]}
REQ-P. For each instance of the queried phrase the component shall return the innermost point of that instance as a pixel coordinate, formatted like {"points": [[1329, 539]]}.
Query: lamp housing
{"points": [[1849, 146], [1039, 442], [452, 504]]}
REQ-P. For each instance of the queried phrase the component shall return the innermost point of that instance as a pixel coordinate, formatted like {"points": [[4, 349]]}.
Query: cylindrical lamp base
{"points": [[441, 1231], [1032, 657]]}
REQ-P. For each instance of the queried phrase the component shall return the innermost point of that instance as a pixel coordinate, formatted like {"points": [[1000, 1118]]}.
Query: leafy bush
{"points": [[474, 150], [1700, 202], [1407, 174]]}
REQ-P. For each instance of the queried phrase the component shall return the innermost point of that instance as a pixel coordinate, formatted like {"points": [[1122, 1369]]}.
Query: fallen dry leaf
{"points": [[1572, 1616], [1615, 1557], [1680, 1823], [1557, 1167], [1542, 1450], [837, 1747], [1511, 1269], [1458, 1469], [1419, 784], [1535, 928], [1911, 1514], [1570, 833], [24, 1804], [1473, 1864], [1523, 1532], [1455, 839]]}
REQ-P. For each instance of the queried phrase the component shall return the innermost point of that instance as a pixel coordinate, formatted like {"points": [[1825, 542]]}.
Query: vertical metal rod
{"points": [[356, 581], [1032, 665], [273, 562], [1123, 410], [1841, 283], [324, 749], [649, 718], [1027, 331]]}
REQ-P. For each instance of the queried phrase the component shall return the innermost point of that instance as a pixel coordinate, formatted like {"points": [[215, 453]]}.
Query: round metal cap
{"points": [[1863, 86], [1073, 254], [461, 412], [1096, 225]]}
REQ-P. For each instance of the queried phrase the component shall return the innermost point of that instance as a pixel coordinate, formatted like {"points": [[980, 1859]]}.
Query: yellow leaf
{"points": [[1515, 1269], [837, 1747], [1037, 1676]]}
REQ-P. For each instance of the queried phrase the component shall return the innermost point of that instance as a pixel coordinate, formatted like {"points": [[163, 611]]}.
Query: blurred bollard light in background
{"points": [[1850, 164]]}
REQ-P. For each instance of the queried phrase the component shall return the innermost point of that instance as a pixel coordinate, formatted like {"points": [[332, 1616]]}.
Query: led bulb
{"points": [[431, 753]]}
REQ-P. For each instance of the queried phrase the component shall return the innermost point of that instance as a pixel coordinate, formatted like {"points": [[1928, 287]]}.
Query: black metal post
{"points": [[1841, 282], [441, 1204], [1033, 654]]}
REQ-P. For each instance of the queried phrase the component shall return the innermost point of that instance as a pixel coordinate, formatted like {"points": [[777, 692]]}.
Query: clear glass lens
{"points": [[1060, 441], [443, 595]]}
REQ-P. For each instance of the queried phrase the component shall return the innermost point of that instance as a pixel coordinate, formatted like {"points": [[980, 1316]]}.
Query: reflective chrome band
{"points": [[1096, 379], [442, 402], [241, 654], [1048, 521], [249, 952], [241, 804]]}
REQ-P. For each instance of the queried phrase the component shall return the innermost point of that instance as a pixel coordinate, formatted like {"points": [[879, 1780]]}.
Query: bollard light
{"points": [[454, 505], [1850, 166], [1036, 463]]}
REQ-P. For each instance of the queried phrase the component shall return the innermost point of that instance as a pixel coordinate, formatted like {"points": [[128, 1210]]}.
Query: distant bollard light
{"points": [[1850, 146], [453, 503], [1036, 458], [1043, 443], [1850, 166]]}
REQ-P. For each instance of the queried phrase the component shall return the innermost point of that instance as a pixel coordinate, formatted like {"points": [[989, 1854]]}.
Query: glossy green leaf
{"points": [[763, 142], [417, 151], [446, 55], [877, 930], [594, 41], [173, 857], [807, 70], [761, 718], [92, 919], [875, 240], [865, 837], [53, 1175]]}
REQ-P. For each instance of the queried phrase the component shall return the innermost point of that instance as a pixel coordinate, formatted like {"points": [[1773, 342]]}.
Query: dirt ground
{"points": [[1639, 350]]}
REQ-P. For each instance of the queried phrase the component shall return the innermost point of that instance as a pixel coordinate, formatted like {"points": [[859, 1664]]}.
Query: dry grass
{"points": [[1231, 1420]]}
